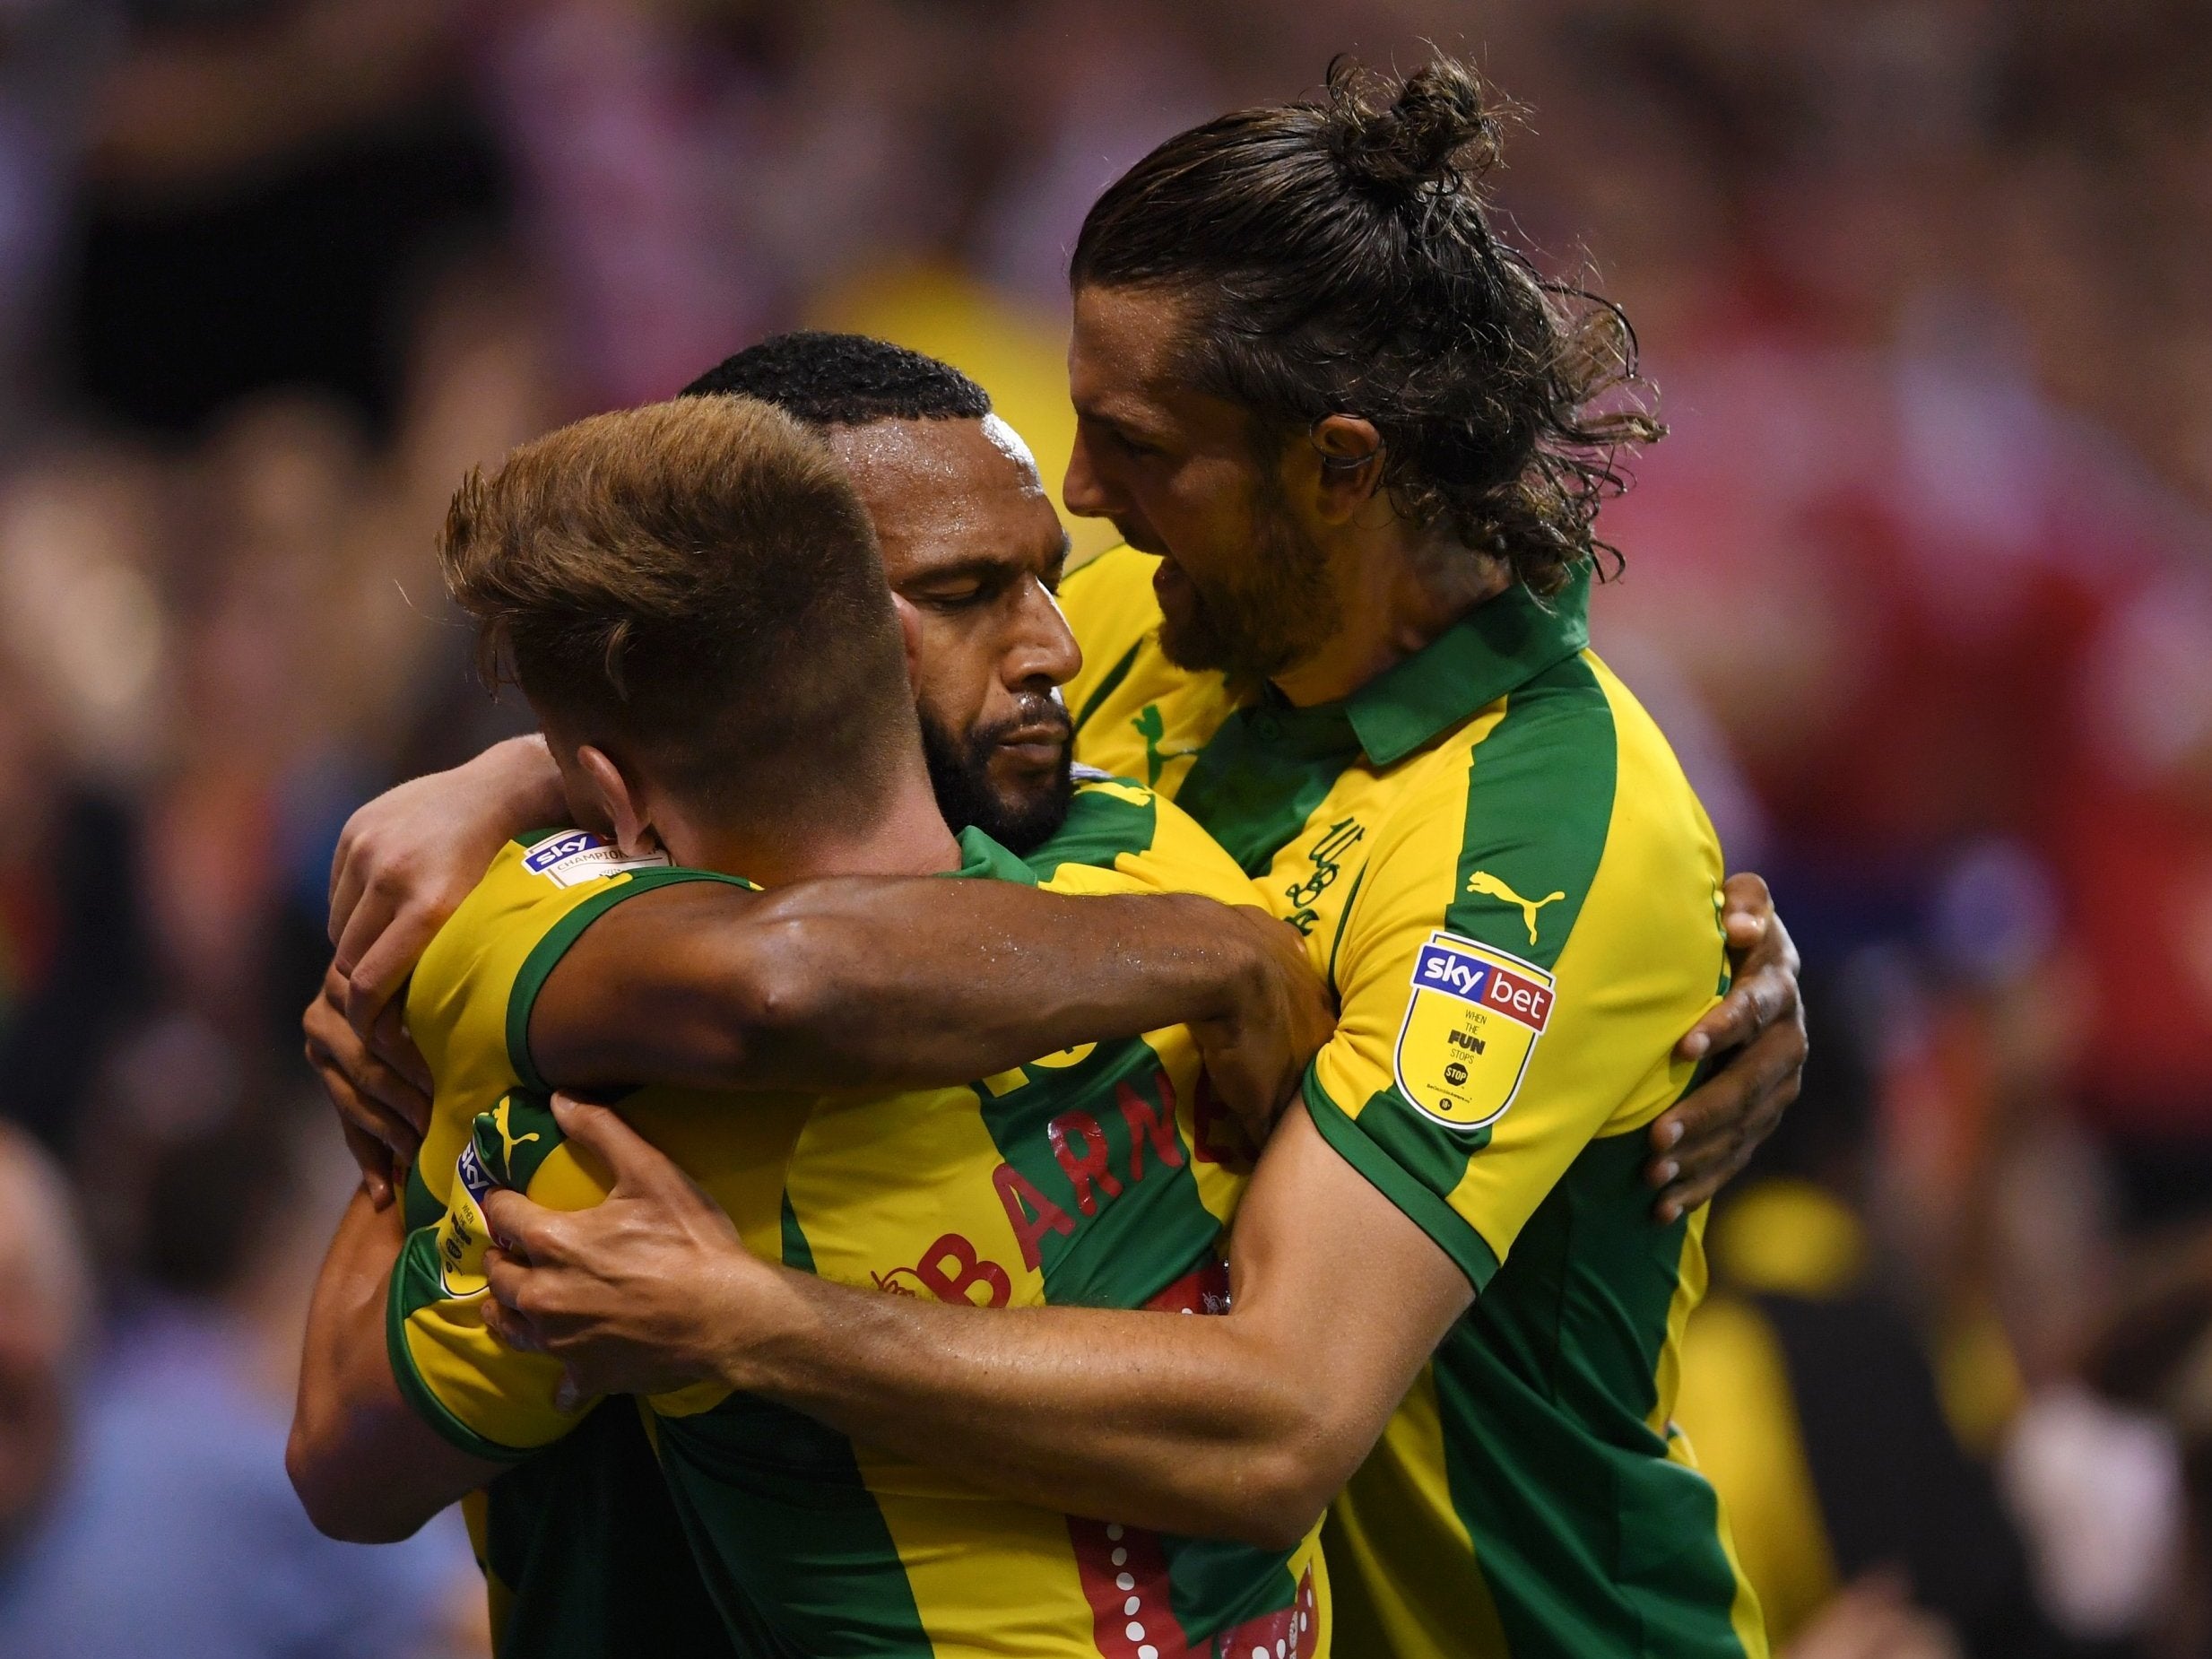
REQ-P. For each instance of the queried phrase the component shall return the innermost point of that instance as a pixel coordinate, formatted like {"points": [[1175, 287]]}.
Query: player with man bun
{"points": [[1357, 445]]}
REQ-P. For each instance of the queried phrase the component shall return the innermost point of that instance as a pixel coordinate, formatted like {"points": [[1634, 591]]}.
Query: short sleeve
{"points": [[1530, 937], [1430, 1053], [486, 1398], [1120, 837]]}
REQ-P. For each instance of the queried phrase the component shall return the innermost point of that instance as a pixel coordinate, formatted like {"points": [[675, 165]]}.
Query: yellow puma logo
{"points": [[509, 1139], [1483, 881]]}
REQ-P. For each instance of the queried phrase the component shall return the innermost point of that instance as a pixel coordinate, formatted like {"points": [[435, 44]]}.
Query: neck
{"points": [[1394, 595], [903, 834]]}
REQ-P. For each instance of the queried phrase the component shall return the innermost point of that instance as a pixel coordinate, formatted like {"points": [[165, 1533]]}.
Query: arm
{"points": [[1244, 1424], [404, 863], [918, 982], [379, 1085], [367, 1469], [921, 982], [407, 859]]}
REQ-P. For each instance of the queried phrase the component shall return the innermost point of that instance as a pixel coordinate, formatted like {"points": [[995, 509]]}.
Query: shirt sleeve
{"points": [[1110, 608], [1512, 984], [1120, 837], [484, 1397]]}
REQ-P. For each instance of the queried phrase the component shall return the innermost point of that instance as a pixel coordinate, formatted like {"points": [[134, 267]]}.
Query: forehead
{"points": [[1124, 365], [939, 489]]}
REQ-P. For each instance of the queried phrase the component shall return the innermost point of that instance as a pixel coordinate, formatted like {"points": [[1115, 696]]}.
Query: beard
{"points": [[1273, 614], [959, 775]]}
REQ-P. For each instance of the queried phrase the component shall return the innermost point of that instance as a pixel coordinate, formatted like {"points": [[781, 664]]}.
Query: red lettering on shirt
{"points": [[1080, 1146], [1032, 1215]]}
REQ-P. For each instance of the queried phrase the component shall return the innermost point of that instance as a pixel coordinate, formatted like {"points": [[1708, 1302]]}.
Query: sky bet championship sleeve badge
{"points": [[1469, 1028], [577, 856]]}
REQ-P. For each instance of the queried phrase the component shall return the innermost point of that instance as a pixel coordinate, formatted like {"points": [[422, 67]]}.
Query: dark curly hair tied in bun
{"points": [[1339, 259]]}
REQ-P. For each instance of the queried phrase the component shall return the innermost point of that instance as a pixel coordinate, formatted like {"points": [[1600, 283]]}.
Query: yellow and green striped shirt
{"points": [[1500, 869], [1095, 1176]]}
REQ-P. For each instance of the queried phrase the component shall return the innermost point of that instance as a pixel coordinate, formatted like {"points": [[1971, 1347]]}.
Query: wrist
{"points": [[763, 1327], [1239, 967], [519, 776]]}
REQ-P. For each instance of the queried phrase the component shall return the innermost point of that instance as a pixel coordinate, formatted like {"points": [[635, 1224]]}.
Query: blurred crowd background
{"points": [[1920, 585]]}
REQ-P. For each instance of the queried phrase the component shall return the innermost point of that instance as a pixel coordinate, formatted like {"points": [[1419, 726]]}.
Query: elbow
{"points": [[1279, 1501], [1286, 1483], [341, 1503], [781, 980]]}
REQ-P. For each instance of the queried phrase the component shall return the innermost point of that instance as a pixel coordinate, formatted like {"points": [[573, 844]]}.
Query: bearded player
{"points": [[1366, 442]]}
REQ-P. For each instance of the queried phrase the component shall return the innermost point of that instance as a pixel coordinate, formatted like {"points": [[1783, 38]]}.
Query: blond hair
{"points": [[698, 582]]}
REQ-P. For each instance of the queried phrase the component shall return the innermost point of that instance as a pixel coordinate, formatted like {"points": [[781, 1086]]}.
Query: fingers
{"points": [[390, 1041], [374, 1162], [512, 1282], [1757, 938], [509, 1279], [348, 876], [1746, 899], [371, 911], [1753, 1003], [634, 1162], [1703, 1141], [528, 1231], [368, 1095], [382, 959], [363, 1087]]}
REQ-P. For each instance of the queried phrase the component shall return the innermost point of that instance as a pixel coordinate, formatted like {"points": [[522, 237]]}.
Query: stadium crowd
{"points": [[1920, 586]]}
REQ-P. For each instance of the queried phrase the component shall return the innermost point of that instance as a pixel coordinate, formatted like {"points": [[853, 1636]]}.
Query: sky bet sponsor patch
{"points": [[461, 1234], [1471, 1025], [578, 856]]}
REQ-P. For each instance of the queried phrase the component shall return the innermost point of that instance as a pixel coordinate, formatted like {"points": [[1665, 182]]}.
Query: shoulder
{"points": [[542, 892], [1138, 835], [1118, 581], [536, 878], [1542, 800]]}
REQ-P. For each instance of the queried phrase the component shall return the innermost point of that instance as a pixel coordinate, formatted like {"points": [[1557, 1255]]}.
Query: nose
{"points": [[1044, 647], [1083, 489]]}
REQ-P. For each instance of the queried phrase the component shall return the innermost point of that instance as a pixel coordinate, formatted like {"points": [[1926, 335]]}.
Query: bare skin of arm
{"points": [[409, 857], [1241, 1425], [367, 1468], [916, 982]]}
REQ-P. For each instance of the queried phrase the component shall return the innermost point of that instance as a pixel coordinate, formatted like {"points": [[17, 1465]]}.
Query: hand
{"points": [[1699, 1144], [407, 859], [378, 1083], [631, 1295], [1256, 1053], [1874, 1618]]}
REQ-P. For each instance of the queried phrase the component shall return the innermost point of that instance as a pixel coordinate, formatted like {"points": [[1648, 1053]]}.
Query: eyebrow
{"points": [[983, 567], [958, 569], [1122, 427]]}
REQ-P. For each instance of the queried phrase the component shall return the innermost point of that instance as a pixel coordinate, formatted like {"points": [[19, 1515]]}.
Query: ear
{"points": [[910, 631], [1350, 469], [622, 801]]}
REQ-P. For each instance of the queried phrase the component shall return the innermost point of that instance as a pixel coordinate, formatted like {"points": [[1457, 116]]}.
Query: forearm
{"points": [[367, 1468], [1241, 1425], [1195, 1425], [909, 983]]}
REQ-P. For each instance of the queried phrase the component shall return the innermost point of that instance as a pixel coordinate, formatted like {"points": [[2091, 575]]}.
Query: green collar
{"points": [[980, 855], [1499, 646]]}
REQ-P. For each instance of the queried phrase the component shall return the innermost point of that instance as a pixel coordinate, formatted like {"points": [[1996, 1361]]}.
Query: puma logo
{"points": [[509, 1139], [1482, 881], [1152, 727]]}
